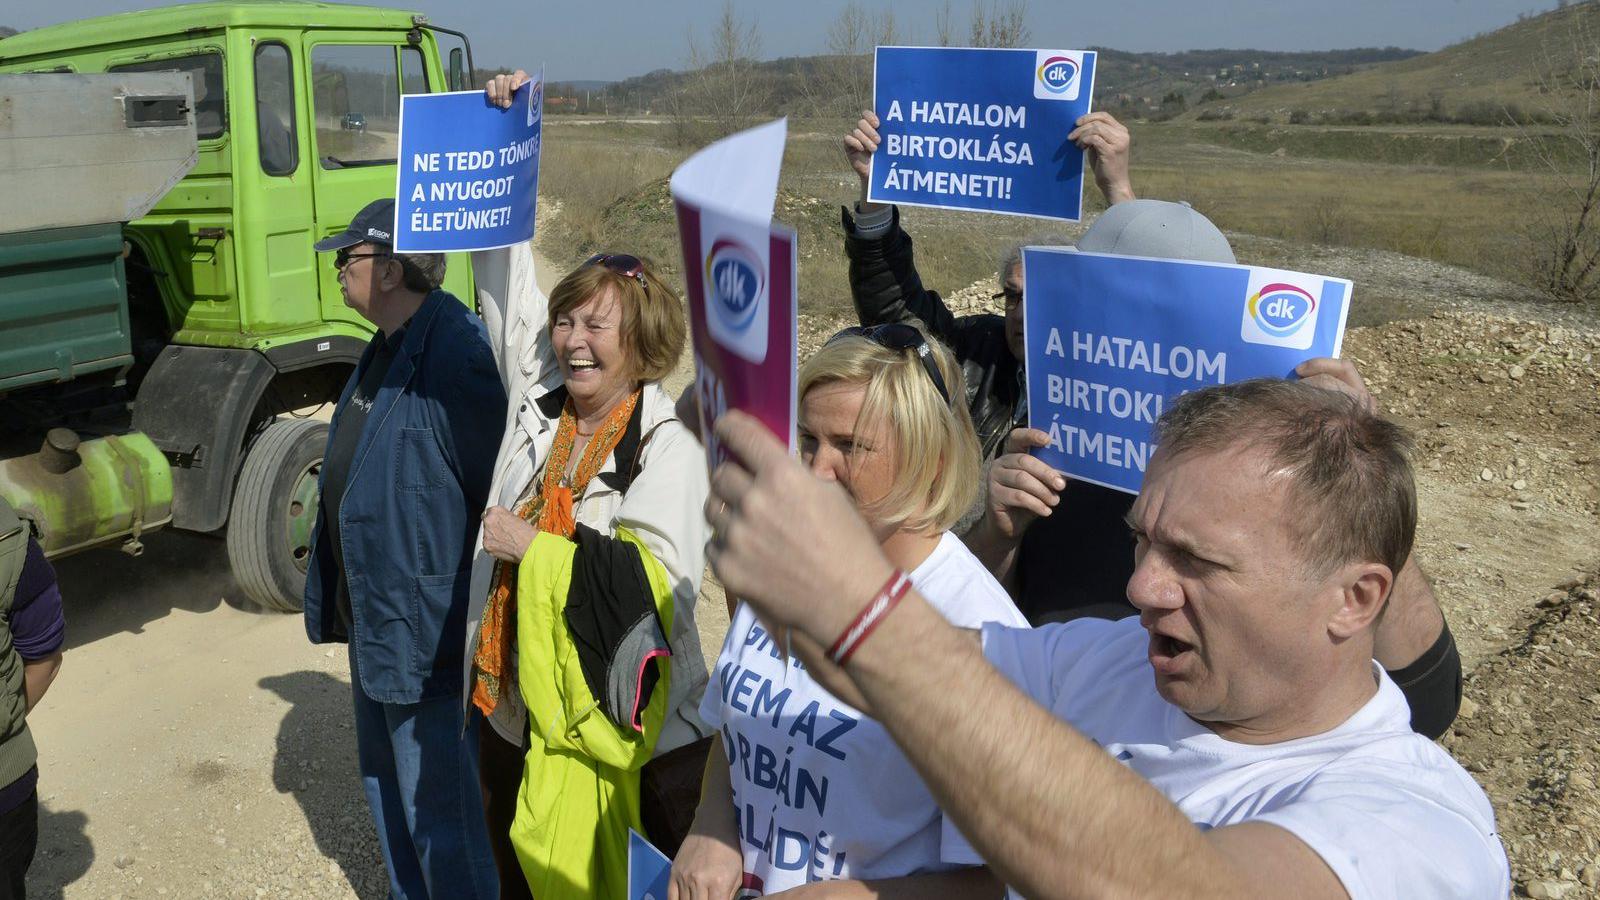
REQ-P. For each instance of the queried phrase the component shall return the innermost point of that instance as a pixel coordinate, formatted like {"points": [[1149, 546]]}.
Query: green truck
{"points": [[166, 329]]}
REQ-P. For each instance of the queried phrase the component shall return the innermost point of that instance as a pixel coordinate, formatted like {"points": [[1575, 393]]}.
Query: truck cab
{"points": [[233, 322]]}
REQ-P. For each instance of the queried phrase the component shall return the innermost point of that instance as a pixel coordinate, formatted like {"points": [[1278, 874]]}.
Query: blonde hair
{"points": [[653, 323], [937, 463]]}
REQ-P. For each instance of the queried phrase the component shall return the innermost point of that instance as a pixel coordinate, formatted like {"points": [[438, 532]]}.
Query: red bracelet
{"points": [[870, 617]]}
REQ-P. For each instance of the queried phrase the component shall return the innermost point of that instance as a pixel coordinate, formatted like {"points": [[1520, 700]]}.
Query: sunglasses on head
{"points": [[343, 257], [900, 336], [620, 263]]}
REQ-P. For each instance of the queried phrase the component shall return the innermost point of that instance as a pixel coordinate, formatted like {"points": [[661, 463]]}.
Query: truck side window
{"points": [[356, 101], [205, 69], [275, 126]]}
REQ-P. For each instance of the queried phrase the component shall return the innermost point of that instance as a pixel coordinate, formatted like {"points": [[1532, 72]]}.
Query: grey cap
{"points": [[1157, 228]]}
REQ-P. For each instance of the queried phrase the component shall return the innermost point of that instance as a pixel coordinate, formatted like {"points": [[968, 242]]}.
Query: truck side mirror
{"points": [[457, 80]]}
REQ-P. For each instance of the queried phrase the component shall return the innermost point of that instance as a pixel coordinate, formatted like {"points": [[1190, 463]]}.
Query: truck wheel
{"points": [[274, 508]]}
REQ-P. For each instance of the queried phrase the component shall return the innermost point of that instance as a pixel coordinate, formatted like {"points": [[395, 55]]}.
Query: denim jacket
{"points": [[409, 518]]}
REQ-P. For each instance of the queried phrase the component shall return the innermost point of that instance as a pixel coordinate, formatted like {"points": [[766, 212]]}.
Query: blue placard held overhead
{"points": [[984, 130], [469, 170], [648, 869], [1112, 339]]}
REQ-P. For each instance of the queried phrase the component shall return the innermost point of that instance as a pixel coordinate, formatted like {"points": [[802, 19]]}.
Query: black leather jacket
{"points": [[886, 288]]}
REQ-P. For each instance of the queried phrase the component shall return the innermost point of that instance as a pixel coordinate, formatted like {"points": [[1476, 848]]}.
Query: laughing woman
{"points": [[803, 792], [585, 661]]}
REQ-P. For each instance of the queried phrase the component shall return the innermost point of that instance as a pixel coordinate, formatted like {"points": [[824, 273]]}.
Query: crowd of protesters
{"points": [[951, 671]]}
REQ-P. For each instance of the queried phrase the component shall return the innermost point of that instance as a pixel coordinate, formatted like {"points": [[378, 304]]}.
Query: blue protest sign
{"points": [[1111, 339], [648, 869], [468, 170], [986, 130]]}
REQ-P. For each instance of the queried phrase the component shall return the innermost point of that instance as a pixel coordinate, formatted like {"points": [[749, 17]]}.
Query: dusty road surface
{"points": [[191, 747]]}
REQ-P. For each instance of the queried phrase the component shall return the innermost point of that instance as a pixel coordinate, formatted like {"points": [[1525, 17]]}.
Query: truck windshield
{"points": [[356, 101]]}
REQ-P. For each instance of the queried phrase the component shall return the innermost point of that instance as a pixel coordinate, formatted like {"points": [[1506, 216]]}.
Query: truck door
{"points": [[278, 282], [355, 90]]}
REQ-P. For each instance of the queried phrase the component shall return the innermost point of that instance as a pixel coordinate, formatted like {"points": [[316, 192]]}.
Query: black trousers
{"points": [[19, 837], [500, 777]]}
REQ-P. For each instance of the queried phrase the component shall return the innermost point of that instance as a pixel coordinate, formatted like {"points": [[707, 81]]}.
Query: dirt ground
{"points": [[196, 748]]}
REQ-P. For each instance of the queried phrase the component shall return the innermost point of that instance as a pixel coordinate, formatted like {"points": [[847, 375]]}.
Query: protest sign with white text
{"points": [[981, 129], [1111, 340], [740, 280], [468, 170]]}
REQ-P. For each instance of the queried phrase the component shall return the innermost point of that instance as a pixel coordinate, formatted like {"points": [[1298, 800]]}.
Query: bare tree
{"points": [[1564, 229], [999, 23], [725, 89], [944, 25], [843, 86]]}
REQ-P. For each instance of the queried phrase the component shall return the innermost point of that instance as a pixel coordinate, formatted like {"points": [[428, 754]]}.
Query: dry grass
{"points": [[610, 179]]}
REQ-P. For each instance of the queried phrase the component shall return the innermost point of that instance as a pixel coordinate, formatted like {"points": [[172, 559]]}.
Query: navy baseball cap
{"points": [[373, 225]]}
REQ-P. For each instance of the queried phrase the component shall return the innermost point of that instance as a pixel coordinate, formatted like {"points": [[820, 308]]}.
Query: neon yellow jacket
{"points": [[580, 779]]}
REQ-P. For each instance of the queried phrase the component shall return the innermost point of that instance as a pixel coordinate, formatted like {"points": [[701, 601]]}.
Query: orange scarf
{"points": [[551, 510]]}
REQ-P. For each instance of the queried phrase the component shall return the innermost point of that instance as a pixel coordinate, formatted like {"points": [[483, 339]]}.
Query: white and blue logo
{"points": [[735, 280], [1279, 314], [1056, 74]]}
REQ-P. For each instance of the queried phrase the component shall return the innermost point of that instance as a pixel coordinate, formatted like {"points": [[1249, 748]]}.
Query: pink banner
{"points": [[743, 311]]}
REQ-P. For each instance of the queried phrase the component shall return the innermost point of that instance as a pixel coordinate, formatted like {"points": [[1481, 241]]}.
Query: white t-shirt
{"points": [[821, 791], [1389, 811]]}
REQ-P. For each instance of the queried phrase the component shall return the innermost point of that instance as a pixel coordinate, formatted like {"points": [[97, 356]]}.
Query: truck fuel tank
{"points": [[82, 493]]}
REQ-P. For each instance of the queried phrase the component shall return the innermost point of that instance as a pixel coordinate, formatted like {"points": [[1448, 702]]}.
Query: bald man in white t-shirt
{"points": [[1236, 739]]}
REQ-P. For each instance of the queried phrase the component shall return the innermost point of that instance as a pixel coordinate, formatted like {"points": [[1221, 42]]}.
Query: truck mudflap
{"points": [[82, 494], [196, 405]]}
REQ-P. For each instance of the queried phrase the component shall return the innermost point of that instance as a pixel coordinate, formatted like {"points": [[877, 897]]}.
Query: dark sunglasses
{"points": [[900, 336], [622, 264], [343, 257], [1012, 297]]}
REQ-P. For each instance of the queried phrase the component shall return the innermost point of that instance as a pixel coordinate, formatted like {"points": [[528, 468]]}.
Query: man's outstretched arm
{"points": [[1051, 813]]}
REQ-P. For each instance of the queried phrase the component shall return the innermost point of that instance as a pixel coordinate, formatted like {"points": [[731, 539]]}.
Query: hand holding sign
{"points": [[1106, 145], [1021, 486], [859, 145]]}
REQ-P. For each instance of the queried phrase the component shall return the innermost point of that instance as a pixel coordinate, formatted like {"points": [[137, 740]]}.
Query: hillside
{"points": [[1490, 73], [1125, 80]]}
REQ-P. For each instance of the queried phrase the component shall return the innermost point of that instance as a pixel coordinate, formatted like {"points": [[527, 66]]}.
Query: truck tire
{"points": [[274, 509]]}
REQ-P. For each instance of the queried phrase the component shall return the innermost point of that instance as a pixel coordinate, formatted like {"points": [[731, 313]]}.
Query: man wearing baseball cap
{"points": [[404, 479], [1060, 545]]}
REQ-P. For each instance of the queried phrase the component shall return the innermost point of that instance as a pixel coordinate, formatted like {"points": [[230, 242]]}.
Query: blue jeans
{"points": [[419, 769]]}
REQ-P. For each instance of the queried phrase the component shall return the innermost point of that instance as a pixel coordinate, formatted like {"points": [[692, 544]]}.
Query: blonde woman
{"points": [[803, 793]]}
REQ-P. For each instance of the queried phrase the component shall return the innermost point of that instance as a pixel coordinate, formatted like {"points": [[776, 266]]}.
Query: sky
{"points": [[616, 39]]}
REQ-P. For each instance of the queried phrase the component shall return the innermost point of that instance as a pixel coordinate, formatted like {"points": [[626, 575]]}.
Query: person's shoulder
{"points": [[956, 584], [979, 332], [458, 342], [1396, 811], [671, 453], [37, 575], [1404, 763], [455, 319]]}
